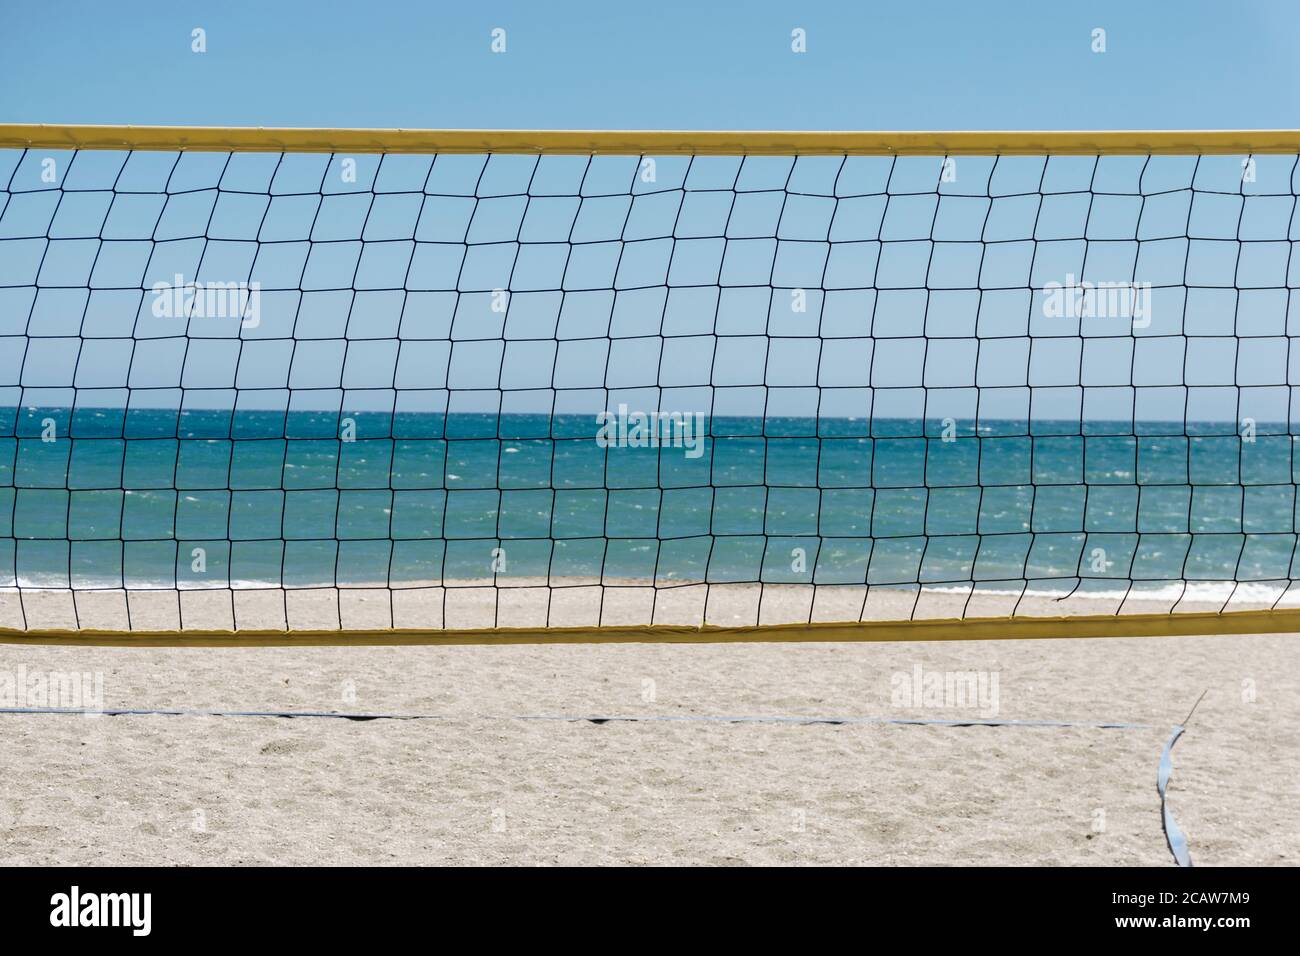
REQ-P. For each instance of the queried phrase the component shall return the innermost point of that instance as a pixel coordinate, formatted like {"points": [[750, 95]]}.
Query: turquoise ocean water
{"points": [[276, 498]]}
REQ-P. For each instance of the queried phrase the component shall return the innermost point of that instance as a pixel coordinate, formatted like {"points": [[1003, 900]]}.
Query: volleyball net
{"points": [[385, 386]]}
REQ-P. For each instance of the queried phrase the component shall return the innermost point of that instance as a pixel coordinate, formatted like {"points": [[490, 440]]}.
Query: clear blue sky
{"points": [[871, 64]]}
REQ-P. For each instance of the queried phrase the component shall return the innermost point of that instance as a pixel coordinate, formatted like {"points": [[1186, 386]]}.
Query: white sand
{"points": [[578, 602], [480, 787]]}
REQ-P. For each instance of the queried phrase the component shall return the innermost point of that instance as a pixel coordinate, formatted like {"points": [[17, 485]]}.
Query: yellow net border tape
{"points": [[970, 629], [652, 142]]}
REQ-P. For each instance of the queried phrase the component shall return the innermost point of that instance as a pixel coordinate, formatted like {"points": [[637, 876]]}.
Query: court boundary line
{"points": [[598, 719], [1175, 839]]}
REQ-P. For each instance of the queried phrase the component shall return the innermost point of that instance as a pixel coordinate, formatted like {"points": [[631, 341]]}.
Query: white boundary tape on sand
{"points": [[1173, 834], [579, 718]]}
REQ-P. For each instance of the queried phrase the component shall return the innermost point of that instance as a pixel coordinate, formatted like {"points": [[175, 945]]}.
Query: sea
{"points": [[167, 498]]}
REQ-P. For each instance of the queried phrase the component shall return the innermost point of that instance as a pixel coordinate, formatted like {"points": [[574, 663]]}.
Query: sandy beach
{"points": [[582, 602], [481, 785]]}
